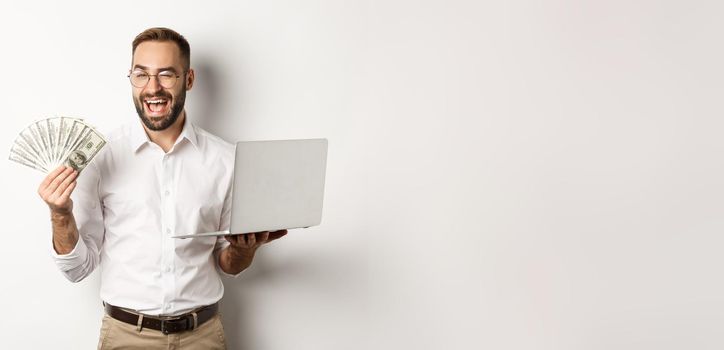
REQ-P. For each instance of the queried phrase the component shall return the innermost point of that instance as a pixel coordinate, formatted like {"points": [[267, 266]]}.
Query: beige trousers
{"points": [[119, 335]]}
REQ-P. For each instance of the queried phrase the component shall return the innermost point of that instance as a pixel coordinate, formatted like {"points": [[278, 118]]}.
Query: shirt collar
{"points": [[140, 138], [188, 132]]}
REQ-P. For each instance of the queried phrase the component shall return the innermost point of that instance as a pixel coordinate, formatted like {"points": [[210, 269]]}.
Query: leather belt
{"points": [[167, 325]]}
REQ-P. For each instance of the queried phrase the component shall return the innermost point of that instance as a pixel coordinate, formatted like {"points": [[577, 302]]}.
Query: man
{"points": [[154, 179], [77, 160]]}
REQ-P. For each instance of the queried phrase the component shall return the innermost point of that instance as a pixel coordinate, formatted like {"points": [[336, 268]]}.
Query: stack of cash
{"points": [[46, 144]]}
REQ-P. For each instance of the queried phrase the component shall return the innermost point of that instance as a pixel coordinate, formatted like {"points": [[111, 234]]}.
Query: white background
{"points": [[501, 175]]}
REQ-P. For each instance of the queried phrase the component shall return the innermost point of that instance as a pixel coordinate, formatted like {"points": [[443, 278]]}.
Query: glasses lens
{"points": [[167, 80], [139, 79]]}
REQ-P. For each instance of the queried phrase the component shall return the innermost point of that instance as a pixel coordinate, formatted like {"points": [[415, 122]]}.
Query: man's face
{"points": [[157, 106], [76, 158]]}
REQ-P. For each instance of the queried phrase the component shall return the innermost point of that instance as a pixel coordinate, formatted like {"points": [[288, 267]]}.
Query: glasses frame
{"points": [[157, 79]]}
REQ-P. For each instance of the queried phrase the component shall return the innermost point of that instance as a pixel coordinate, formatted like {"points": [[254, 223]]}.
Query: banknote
{"points": [[24, 161], [48, 143], [85, 151]]}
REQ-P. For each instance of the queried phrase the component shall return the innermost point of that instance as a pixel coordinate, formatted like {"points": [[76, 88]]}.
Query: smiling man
{"points": [[159, 105], [156, 178]]}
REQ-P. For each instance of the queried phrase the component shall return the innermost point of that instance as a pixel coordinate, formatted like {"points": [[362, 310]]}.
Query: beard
{"points": [[163, 122]]}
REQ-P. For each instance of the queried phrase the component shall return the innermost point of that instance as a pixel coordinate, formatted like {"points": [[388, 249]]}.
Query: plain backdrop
{"points": [[502, 174]]}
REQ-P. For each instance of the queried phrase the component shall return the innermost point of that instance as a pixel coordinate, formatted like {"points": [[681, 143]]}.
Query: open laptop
{"points": [[277, 185]]}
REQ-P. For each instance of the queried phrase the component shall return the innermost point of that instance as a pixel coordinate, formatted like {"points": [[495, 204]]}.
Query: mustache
{"points": [[149, 96]]}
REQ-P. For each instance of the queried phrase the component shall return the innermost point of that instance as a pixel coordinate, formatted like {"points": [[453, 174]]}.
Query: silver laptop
{"points": [[277, 185]]}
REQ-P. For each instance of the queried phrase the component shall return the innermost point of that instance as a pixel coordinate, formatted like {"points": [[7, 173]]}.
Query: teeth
{"points": [[156, 101]]}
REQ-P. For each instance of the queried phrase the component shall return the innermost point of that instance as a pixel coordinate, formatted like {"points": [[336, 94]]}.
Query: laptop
{"points": [[277, 185]]}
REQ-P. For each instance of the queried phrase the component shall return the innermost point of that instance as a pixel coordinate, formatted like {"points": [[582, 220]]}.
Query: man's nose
{"points": [[153, 84]]}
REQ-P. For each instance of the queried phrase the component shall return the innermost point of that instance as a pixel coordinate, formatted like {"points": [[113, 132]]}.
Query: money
{"points": [[46, 144], [80, 156]]}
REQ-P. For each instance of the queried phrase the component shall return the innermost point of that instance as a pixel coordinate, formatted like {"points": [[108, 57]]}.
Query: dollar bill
{"points": [[62, 131], [36, 134], [21, 145], [67, 131], [75, 134], [89, 146], [52, 129], [22, 160], [83, 131], [27, 138]]}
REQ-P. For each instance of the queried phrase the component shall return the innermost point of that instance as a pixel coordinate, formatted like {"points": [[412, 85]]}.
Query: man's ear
{"points": [[190, 79]]}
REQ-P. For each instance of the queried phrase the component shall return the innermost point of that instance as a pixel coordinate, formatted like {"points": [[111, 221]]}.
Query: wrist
{"points": [[60, 214]]}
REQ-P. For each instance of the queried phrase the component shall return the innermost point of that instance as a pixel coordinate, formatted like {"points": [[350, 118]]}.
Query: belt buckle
{"points": [[180, 321]]}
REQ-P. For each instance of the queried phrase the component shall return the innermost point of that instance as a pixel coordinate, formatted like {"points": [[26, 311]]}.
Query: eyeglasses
{"points": [[140, 78]]}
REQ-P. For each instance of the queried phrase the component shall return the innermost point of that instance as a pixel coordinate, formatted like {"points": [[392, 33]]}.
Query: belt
{"points": [[167, 325]]}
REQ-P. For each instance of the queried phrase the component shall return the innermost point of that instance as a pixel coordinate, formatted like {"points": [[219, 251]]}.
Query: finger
{"points": [[233, 239], [66, 194], [64, 185], [49, 178], [251, 239], [58, 179], [277, 234], [263, 237]]}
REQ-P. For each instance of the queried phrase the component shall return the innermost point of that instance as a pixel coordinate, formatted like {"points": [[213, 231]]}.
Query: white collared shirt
{"points": [[128, 203]]}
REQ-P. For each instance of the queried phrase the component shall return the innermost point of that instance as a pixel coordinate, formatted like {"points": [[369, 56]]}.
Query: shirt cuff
{"points": [[75, 258]]}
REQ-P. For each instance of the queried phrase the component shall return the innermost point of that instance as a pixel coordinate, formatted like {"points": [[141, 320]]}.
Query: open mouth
{"points": [[156, 106]]}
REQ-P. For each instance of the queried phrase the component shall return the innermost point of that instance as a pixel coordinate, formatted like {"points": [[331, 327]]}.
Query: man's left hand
{"points": [[252, 241]]}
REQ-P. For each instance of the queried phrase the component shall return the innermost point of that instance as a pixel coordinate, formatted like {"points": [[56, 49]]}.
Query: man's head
{"points": [[77, 159], [160, 74]]}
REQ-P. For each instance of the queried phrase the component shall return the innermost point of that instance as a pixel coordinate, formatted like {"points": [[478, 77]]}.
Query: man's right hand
{"points": [[55, 190]]}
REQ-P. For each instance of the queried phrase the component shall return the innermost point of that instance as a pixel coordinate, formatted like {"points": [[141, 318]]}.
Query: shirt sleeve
{"points": [[224, 224], [88, 214]]}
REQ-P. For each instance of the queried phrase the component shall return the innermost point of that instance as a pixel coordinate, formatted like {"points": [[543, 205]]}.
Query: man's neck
{"points": [[166, 138]]}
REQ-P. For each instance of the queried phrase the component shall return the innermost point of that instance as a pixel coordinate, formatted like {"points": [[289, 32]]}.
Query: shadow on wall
{"points": [[237, 319], [243, 300], [213, 102], [237, 322], [206, 96], [208, 102]]}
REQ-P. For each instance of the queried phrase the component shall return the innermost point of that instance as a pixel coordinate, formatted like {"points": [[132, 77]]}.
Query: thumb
{"points": [[277, 234]]}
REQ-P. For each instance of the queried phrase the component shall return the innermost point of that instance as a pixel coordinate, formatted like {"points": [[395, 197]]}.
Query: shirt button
{"points": [[168, 230], [167, 192], [168, 268]]}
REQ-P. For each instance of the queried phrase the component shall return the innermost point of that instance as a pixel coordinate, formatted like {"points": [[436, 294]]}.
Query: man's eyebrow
{"points": [[162, 69]]}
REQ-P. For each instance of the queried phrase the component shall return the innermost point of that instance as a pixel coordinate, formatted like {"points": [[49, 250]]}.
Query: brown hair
{"points": [[165, 34]]}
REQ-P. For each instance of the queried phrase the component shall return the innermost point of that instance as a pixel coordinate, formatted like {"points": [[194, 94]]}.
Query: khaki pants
{"points": [[120, 335]]}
